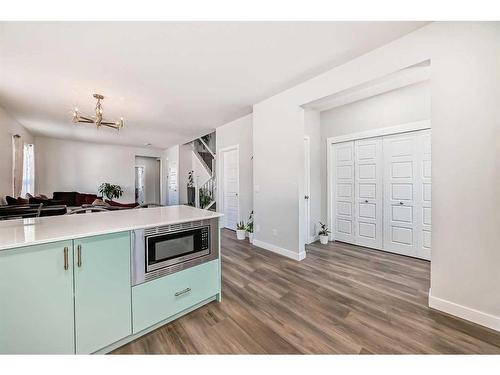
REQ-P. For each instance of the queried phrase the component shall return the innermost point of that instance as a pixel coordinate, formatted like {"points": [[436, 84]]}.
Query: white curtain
{"points": [[28, 170], [17, 165]]}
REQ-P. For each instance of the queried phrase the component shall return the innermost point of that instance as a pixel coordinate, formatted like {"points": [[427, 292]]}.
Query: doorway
{"points": [[147, 180], [139, 184], [230, 185], [380, 189], [308, 237], [173, 183]]}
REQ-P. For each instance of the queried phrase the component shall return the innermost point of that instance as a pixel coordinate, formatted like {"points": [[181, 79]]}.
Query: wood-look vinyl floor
{"points": [[342, 299]]}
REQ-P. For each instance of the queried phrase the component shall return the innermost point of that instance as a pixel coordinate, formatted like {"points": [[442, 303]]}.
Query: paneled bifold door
{"points": [[343, 191], [382, 193]]}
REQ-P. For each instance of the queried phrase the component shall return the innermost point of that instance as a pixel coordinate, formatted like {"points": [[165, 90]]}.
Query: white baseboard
{"points": [[279, 250], [464, 312]]}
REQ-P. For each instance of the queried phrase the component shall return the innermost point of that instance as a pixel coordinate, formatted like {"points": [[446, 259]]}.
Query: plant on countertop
{"points": [[110, 191], [323, 233]]}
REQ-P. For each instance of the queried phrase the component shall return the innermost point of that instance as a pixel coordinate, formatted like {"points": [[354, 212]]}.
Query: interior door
{"points": [[102, 291], [400, 195], [173, 194], [368, 192], [343, 191], [36, 294], [308, 233], [230, 186]]}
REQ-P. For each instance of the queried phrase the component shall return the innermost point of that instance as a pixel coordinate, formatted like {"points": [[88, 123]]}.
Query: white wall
{"points": [[404, 105], [239, 132], [312, 129], [8, 127], [64, 165], [465, 119], [407, 104]]}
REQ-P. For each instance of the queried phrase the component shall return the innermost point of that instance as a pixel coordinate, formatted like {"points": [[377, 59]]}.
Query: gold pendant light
{"points": [[97, 119]]}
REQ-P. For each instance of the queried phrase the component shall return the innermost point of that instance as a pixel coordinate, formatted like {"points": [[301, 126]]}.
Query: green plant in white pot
{"points": [[241, 230], [323, 233], [249, 227]]}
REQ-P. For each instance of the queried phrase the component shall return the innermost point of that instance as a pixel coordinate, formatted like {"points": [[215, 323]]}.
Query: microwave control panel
{"points": [[204, 238]]}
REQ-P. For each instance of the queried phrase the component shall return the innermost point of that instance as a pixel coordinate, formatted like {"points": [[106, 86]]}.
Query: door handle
{"points": [[401, 203], [306, 196], [66, 265], [366, 200], [181, 292], [79, 255]]}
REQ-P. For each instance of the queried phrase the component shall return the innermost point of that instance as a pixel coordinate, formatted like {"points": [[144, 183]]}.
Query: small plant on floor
{"points": [[323, 233], [249, 227], [110, 191], [241, 230]]}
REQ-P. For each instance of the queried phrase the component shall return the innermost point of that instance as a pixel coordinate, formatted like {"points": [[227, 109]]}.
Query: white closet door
{"points": [[343, 191], [400, 180], [424, 194], [368, 192]]}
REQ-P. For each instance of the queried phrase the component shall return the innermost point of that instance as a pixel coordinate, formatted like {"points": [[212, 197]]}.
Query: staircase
{"points": [[207, 196], [204, 149]]}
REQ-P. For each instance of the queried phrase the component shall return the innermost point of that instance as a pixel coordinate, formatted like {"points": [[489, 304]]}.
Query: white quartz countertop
{"points": [[26, 232]]}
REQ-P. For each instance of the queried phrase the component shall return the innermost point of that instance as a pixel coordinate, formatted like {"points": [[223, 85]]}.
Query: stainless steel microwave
{"points": [[159, 251]]}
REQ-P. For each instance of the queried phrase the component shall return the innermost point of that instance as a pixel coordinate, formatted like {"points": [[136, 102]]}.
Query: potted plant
{"points": [[241, 230], [205, 197], [323, 233], [110, 191], [191, 192], [249, 227]]}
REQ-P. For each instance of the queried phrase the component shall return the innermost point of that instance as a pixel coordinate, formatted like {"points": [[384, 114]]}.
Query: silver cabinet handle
{"points": [[66, 265], [79, 255], [187, 290]]}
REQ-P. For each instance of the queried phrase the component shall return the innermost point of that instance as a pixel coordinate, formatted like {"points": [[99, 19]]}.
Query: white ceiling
{"points": [[171, 81]]}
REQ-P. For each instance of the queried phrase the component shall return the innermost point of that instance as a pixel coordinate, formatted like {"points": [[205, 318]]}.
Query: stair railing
{"points": [[207, 193]]}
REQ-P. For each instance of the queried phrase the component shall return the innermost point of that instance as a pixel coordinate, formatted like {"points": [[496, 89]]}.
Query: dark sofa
{"points": [[30, 210], [73, 198]]}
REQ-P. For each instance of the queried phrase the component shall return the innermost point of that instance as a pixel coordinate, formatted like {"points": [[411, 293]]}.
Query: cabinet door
{"points": [[102, 291], [36, 299]]}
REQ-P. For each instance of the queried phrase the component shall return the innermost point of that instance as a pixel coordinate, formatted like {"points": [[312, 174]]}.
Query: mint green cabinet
{"points": [[102, 291], [167, 296], [36, 299]]}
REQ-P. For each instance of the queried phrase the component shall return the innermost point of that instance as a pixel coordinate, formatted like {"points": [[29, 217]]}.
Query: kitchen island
{"points": [[89, 283]]}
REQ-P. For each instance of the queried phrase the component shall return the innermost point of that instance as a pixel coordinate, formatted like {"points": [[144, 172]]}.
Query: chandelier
{"points": [[97, 119]]}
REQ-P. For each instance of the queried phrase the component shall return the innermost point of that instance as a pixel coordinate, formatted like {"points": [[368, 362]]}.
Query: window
{"points": [[28, 170]]}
